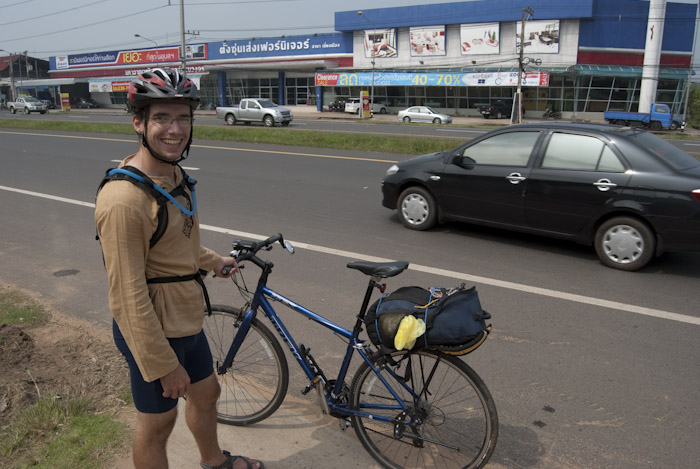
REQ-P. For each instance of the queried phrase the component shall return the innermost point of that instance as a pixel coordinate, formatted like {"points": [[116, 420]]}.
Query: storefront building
{"points": [[280, 68], [580, 57]]}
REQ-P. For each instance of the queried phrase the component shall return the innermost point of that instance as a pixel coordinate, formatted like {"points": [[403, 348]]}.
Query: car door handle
{"points": [[515, 178], [604, 185]]}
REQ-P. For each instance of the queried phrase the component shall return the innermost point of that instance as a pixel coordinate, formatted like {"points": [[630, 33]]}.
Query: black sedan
{"points": [[627, 192], [86, 103]]}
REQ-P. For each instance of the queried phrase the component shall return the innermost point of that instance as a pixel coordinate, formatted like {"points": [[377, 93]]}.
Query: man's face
{"points": [[168, 129]]}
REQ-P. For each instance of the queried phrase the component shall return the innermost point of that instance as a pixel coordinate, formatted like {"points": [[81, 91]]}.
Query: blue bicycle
{"points": [[410, 409]]}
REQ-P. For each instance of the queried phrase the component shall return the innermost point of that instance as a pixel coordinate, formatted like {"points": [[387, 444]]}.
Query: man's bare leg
{"points": [[150, 441]]}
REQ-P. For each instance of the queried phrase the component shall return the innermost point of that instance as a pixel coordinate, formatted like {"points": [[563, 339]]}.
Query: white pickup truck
{"points": [[255, 110], [26, 104]]}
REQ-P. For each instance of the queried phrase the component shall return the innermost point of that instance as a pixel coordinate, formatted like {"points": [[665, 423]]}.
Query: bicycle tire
{"points": [[256, 384], [458, 421]]}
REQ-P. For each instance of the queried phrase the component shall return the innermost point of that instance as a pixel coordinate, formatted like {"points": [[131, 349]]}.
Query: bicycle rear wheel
{"points": [[255, 385], [451, 421]]}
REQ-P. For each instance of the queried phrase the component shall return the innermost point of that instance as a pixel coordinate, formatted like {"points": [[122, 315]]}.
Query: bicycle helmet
{"points": [[159, 85], [162, 85]]}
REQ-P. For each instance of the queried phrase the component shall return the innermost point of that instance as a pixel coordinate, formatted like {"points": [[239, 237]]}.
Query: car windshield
{"points": [[266, 103], [31, 99], [675, 157]]}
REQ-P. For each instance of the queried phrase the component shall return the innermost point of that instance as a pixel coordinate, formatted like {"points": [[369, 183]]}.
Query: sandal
{"points": [[228, 464]]}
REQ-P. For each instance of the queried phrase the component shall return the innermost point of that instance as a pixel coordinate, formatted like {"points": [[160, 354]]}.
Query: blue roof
{"points": [[623, 24], [481, 11]]}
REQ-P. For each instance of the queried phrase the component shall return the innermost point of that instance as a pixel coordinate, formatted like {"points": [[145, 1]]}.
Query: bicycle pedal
{"points": [[307, 389], [344, 423]]}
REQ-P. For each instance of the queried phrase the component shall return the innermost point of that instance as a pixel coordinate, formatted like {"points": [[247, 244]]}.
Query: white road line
{"points": [[186, 168], [656, 313], [47, 196]]}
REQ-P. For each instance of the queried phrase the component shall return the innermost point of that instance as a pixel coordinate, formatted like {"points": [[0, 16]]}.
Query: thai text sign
{"points": [[320, 44], [130, 57]]}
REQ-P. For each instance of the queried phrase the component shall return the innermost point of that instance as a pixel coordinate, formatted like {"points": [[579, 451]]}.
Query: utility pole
{"points": [[183, 62], [519, 93], [652, 55], [374, 34]]}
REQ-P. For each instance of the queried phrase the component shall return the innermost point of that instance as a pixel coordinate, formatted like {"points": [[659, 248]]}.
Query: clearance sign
{"points": [[432, 79]]}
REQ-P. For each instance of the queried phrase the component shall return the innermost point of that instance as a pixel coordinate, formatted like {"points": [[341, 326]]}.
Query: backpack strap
{"points": [[186, 278], [141, 180]]}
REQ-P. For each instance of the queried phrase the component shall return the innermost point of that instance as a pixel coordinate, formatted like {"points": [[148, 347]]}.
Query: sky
{"points": [[46, 28]]}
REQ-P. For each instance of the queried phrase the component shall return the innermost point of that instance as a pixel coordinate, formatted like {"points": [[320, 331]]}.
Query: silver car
{"points": [[423, 114]]}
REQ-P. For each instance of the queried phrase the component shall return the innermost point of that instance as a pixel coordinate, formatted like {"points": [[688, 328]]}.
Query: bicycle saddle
{"points": [[379, 269]]}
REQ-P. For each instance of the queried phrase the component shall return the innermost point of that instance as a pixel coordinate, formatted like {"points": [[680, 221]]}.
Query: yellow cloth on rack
{"points": [[410, 328]]}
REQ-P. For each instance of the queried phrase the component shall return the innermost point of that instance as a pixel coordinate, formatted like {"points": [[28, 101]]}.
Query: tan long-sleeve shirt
{"points": [[148, 314]]}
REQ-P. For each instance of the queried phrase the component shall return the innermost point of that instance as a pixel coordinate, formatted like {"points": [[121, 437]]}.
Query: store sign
{"points": [[541, 37], [129, 57], [427, 41], [432, 79], [478, 39], [320, 44]]}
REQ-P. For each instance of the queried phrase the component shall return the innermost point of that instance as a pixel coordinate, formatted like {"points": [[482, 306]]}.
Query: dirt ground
{"points": [[63, 358]]}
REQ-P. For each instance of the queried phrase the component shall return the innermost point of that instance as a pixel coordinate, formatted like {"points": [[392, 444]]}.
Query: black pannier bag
{"points": [[455, 322]]}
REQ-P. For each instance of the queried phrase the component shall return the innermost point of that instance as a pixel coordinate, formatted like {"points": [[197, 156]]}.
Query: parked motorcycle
{"points": [[337, 106], [551, 114]]}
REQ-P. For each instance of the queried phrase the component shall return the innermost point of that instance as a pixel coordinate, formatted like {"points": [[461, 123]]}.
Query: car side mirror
{"points": [[464, 161]]}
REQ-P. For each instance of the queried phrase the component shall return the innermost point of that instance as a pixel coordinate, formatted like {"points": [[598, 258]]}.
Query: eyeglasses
{"points": [[166, 121]]}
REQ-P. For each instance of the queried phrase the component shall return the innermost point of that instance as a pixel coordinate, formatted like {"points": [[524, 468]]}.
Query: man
{"points": [[155, 291]]}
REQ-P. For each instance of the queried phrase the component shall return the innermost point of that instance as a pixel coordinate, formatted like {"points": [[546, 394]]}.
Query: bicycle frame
{"points": [[260, 300]]}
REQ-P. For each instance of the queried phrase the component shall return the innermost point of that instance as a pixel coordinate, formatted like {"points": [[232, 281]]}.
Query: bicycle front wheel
{"points": [[255, 385], [451, 421]]}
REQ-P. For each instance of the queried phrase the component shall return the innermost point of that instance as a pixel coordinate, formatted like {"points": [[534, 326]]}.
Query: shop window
{"points": [[601, 82]]}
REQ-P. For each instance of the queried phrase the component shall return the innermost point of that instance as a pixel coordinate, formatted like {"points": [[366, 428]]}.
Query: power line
{"points": [[15, 4], [52, 14], [84, 26]]}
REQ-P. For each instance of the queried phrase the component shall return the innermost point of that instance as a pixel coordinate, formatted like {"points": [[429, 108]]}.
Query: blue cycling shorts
{"points": [[193, 354]]}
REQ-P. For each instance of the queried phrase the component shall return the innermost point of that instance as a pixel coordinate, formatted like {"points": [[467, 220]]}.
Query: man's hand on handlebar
{"points": [[226, 267]]}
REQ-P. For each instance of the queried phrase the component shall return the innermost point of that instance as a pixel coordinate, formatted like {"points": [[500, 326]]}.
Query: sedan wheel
{"points": [[437, 121], [417, 209], [625, 243], [406, 120]]}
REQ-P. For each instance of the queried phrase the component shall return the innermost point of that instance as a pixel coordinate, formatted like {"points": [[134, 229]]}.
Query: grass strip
{"points": [[56, 433], [17, 308], [274, 136]]}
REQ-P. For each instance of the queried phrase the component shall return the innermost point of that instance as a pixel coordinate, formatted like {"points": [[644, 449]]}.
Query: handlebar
{"points": [[246, 250]]}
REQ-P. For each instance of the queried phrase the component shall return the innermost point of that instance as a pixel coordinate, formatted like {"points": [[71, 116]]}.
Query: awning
{"points": [[628, 71], [46, 82]]}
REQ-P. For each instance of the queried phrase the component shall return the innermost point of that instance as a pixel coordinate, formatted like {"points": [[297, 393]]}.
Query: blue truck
{"points": [[659, 118]]}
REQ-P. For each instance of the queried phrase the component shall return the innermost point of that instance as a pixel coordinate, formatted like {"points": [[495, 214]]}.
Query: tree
{"points": [[694, 106]]}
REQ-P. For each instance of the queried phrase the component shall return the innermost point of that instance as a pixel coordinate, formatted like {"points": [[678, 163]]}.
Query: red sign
{"points": [[120, 86], [327, 79], [170, 54]]}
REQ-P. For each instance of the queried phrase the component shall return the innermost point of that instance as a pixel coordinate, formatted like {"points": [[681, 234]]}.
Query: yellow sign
{"points": [[65, 102], [364, 102]]}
